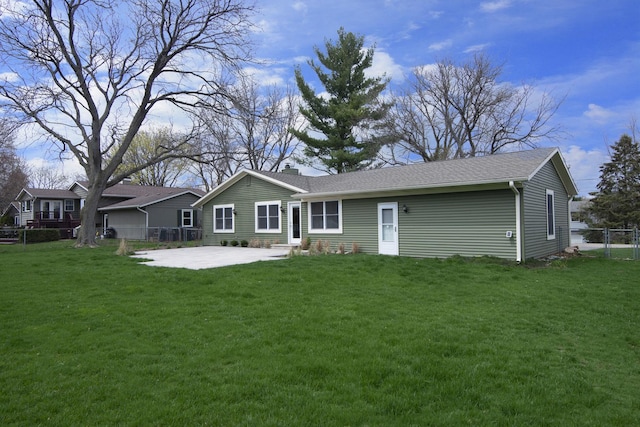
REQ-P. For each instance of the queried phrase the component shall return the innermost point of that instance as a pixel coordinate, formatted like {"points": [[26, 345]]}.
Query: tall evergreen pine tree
{"points": [[616, 204], [349, 117]]}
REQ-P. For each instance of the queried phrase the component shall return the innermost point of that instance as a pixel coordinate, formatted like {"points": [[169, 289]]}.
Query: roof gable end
{"points": [[275, 178]]}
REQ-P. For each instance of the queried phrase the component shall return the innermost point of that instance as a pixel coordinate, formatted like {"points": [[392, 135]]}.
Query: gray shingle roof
{"points": [[44, 193], [460, 173], [134, 190], [148, 195], [498, 168]]}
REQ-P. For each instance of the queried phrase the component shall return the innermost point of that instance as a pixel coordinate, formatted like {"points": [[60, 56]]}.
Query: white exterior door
{"points": [[388, 228], [294, 219]]}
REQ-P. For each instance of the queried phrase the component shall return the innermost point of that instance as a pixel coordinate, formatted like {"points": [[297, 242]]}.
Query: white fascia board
{"points": [[23, 191], [561, 168], [169, 197], [79, 185]]}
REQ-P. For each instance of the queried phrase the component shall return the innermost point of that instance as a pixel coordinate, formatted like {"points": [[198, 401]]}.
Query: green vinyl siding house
{"points": [[513, 206]]}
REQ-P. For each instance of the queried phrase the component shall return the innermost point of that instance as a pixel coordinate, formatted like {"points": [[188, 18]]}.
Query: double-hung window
{"points": [[223, 219], [551, 215], [69, 206], [26, 206], [186, 218], [325, 217], [268, 217]]}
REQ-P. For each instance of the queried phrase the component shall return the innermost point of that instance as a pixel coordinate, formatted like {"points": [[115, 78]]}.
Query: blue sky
{"points": [[585, 51]]}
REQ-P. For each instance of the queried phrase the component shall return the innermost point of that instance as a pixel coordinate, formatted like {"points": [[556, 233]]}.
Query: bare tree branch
{"points": [[89, 73], [452, 111]]}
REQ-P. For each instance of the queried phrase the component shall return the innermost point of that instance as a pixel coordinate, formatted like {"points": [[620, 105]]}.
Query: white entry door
{"points": [[388, 228], [294, 219]]}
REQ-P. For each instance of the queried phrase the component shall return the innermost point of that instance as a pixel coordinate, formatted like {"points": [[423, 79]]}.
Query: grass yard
{"points": [[91, 338]]}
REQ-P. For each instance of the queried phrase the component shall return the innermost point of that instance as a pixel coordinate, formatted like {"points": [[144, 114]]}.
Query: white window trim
{"points": [[233, 220], [27, 206], [52, 207], [73, 205], [324, 230], [190, 217], [550, 236], [267, 204]]}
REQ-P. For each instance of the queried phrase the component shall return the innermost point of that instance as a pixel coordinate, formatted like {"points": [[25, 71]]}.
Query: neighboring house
{"points": [[127, 209], [157, 213], [46, 208], [577, 224], [13, 212], [512, 205]]}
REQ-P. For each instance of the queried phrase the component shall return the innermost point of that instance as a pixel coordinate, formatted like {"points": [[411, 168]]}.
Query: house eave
{"points": [[562, 169], [410, 191]]}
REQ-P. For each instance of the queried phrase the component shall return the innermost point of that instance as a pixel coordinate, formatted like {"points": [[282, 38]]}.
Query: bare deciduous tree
{"points": [[89, 73], [254, 135], [13, 176], [146, 145], [47, 177], [452, 111], [261, 122]]}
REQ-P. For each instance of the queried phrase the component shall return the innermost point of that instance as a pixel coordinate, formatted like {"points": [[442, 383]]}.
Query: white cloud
{"points": [[598, 113], [300, 6], [266, 76], [441, 45], [408, 31], [383, 63], [584, 166], [494, 6], [477, 48], [9, 77]]}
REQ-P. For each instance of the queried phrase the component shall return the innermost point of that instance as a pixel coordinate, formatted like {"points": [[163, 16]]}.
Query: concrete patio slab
{"points": [[201, 257]]}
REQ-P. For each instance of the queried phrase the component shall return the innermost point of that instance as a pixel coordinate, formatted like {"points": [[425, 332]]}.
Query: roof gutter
{"points": [[518, 222], [146, 218]]}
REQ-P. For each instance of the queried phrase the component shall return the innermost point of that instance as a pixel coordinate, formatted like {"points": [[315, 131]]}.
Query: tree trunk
{"points": [[87, 234]]}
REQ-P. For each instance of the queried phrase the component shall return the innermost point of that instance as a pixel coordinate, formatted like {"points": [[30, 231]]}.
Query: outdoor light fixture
{"points": [[234, 212], [405, 209], [282, 209]]}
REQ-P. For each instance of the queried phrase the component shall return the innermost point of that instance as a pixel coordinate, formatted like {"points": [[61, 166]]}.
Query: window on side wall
{"points": [[186, 218], [223, 219], [26, 206], [325, 217], [551, 215], [268, 217]]}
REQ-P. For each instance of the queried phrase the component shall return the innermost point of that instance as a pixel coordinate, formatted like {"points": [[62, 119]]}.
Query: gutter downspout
{"points": [[569, 219], [518, 223], [146, 222]]}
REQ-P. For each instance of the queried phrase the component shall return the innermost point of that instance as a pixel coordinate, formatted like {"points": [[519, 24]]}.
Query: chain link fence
{"points": [[153, 234], [613, 242]]}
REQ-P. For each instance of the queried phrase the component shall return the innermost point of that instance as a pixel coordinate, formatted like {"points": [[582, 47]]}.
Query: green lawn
{"points": [[91, 338]]}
